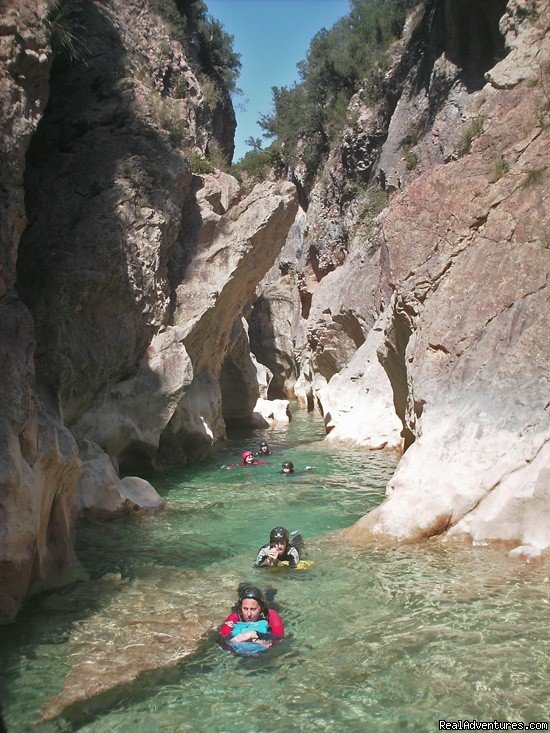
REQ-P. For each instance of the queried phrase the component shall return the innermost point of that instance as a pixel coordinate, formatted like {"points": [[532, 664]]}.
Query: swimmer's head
{"points": [[288, 467], [252, 603], [248, 456], [278, 537], [264, 448]]}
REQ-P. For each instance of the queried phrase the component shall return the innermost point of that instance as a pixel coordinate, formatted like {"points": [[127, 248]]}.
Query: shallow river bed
{"points": [[390, 640]]}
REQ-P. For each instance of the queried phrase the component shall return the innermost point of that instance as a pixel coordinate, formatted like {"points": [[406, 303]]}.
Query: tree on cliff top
{"points": [[209, 46], [351, 55]]}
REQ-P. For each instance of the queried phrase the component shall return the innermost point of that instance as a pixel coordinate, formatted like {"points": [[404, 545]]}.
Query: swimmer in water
{"points": [[288, 468], [277, 550], [247, 459], [264, 449], [252, 620]]}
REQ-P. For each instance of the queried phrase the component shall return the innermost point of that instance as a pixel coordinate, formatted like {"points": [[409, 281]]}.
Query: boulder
{"points": [[525, 552], [102, 495], [130, 420], [270, 412]]}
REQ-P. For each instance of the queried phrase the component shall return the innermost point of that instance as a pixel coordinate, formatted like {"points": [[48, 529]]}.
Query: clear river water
{"points": [[377, 640]]}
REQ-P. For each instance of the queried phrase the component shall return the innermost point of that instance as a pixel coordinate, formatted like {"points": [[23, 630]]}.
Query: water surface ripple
{"points": [[391, 640]]}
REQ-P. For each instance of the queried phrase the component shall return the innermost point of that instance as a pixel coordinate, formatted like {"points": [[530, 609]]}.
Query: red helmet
{"points": [[246, 454]]}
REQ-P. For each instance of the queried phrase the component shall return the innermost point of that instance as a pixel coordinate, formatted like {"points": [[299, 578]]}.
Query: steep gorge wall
{"points": [[39, 466], [424, 268], [130, 273]]}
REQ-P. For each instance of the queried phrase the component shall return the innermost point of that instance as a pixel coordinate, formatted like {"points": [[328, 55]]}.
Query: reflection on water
{"points": [[377, 640]]}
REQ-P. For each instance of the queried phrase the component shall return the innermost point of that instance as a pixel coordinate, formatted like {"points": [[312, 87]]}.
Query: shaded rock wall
{"points": [[131, 272], [39, 466]]}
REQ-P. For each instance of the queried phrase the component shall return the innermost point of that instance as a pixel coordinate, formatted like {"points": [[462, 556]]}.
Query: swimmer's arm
{"points": [[294, 554], [264, 558], [261, 558], [276, 626], [245, 636], [227, 627]]}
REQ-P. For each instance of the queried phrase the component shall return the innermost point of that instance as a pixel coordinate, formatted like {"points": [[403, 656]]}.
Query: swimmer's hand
{"points": [[308, 468], [272, 556], [246, 636]]}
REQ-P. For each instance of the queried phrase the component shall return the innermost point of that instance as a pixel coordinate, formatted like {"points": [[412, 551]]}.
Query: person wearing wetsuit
{"points": [[264, 449], [288, 468], [247, 460], [277, 550], [252, 621]]}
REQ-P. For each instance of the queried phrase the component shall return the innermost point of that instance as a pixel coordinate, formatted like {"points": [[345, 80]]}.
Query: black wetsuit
{"points": [[291, 556]]}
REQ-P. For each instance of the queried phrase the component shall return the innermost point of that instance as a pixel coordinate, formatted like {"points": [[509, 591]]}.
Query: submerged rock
{"points": [[525, 552], [141, 625]]}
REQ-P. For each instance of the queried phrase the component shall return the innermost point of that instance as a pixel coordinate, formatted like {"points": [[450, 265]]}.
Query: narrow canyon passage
{"points": [[384, 636]]}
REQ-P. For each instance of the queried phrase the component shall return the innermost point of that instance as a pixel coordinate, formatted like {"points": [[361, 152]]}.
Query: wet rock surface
{"points": [[148, 623]]}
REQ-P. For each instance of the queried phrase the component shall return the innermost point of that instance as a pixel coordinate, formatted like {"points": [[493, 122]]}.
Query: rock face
{"points": [[274, 321], [427, 267], [357, 403], [470, 266], [131, 272], [39, 466]]}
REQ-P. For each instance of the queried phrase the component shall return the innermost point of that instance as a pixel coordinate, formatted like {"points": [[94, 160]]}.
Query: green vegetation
{"points": [[499, 169], [198, 164], [375, 200], [67, 32], [216, 156], [545, 239], [352, 55], [473, 131], [410, 158], [180, 92], [534, 177], [210, 91], [207, 45], [257, 163], [168, 117]]}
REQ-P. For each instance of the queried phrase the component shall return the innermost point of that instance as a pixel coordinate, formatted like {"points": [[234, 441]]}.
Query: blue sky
{"points": [[272, 36]]}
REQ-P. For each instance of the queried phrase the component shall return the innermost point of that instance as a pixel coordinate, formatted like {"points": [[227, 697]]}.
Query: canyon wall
{"points": [[406, 296], [123, 271], [421, 272]]}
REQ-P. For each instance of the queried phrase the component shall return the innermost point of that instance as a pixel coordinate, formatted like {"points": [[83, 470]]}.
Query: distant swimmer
{"points": [[252, 626], [288, 468], [278, 550], [247, 460], [264, 449]]}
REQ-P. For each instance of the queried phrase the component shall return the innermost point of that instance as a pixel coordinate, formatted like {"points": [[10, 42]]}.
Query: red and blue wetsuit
{"points": [[274, 621]]}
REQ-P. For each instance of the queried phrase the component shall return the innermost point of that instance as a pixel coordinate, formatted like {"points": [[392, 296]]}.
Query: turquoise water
{"points": [[389, 640]]}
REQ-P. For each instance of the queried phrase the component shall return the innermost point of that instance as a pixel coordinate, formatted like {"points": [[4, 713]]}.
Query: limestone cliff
{"points": [[423, 265], [122, 271], [39, 466]]}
